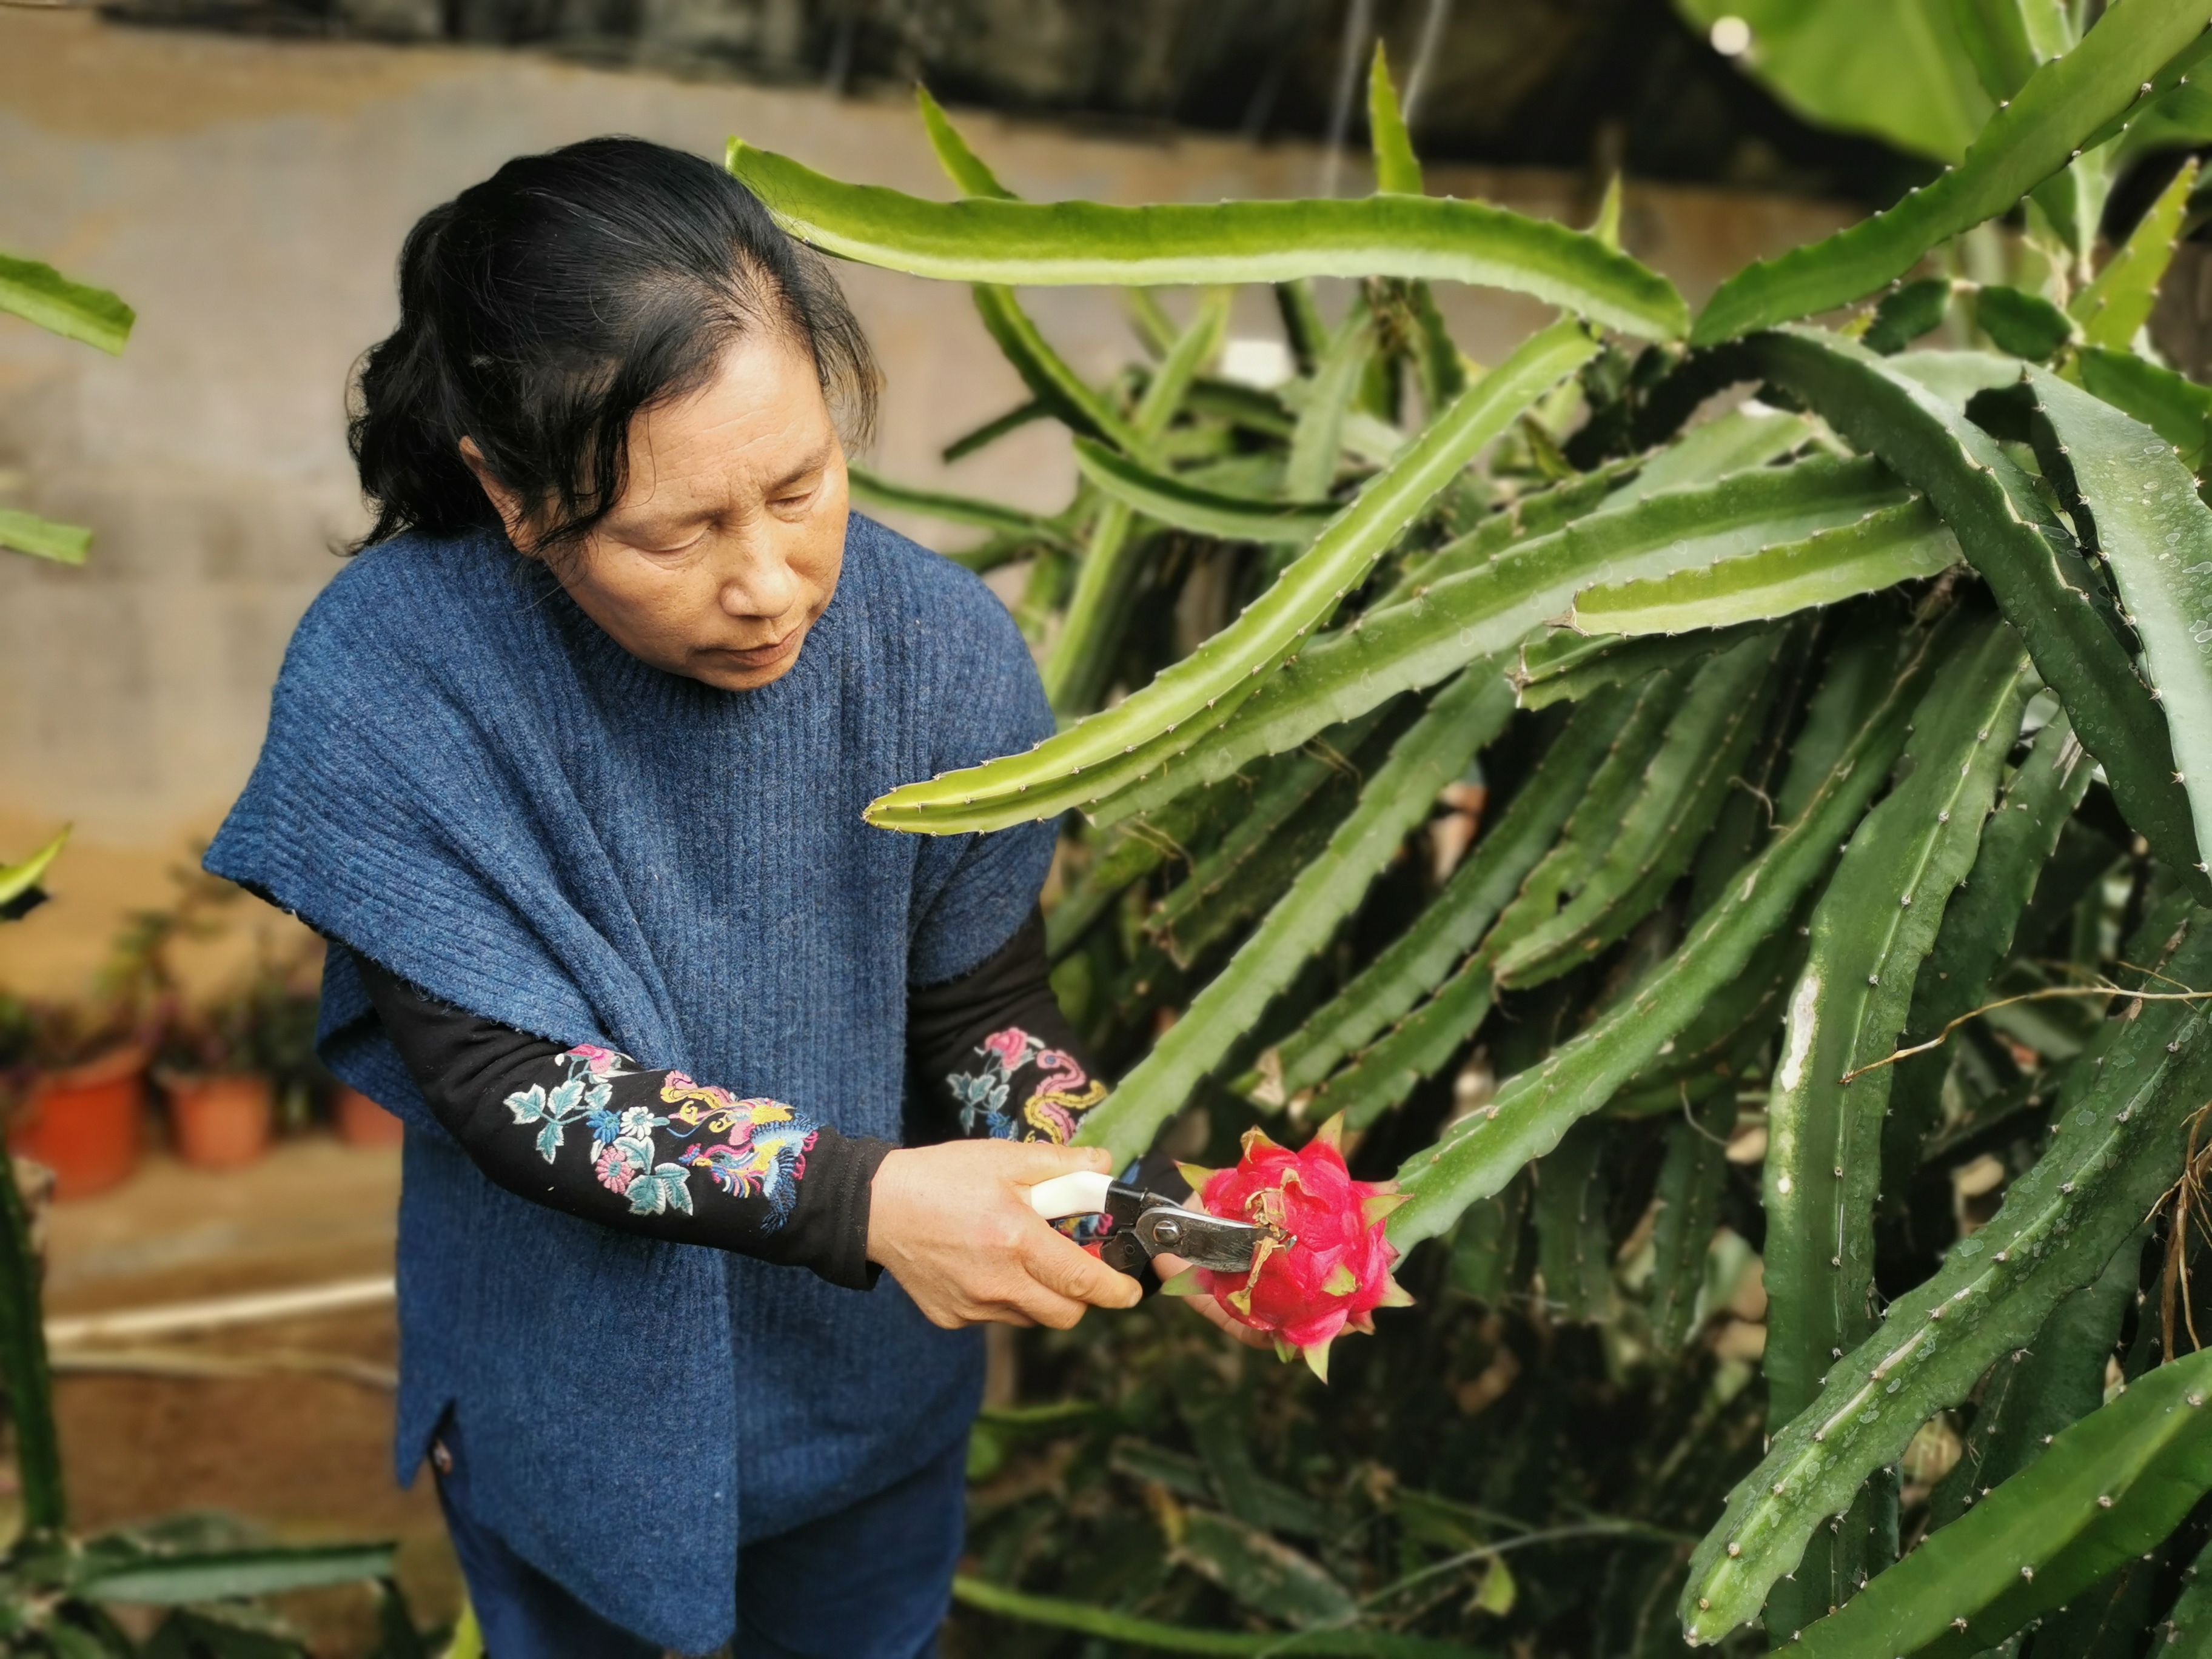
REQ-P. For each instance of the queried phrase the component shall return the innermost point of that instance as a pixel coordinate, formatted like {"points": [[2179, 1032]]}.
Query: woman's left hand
{"points": [[1167, 1267]]}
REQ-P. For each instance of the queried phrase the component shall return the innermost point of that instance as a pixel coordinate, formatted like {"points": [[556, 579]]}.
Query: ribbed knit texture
{"points": [[466, 779]]}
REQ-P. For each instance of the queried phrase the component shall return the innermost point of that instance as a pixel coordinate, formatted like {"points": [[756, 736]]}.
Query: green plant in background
{"points": [[1826, 981], [59, 1592], [43, 295]]}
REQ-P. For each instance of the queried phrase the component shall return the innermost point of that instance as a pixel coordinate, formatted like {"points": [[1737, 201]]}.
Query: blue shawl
{"points": [[467, 780]]}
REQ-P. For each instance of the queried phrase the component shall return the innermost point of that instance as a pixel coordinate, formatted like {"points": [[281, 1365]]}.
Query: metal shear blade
{"points": [[1202, 1240]]}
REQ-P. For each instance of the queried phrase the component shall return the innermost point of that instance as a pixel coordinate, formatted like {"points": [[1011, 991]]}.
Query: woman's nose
{"points": [[761, 583]]}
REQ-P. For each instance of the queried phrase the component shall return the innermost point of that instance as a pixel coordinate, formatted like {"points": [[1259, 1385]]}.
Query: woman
{"points": [[568, 767]]}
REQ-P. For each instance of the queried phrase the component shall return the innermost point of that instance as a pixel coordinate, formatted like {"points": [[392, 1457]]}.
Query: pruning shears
{"points": [[1142, 1224]]}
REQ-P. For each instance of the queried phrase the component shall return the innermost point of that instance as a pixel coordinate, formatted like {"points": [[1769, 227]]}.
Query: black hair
{"points": [[541, 311]]}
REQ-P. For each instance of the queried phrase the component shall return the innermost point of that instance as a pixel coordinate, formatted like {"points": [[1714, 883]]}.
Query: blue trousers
{"points": [[870, 1582]]}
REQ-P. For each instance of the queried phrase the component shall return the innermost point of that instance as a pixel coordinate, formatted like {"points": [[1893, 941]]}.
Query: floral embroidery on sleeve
{"points": [[749, 1148], [1059, 1094]]}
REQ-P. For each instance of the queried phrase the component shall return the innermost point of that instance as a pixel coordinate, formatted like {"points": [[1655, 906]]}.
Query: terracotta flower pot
{"points": [[221, 1123], [83, 1123], [361, 1122]]}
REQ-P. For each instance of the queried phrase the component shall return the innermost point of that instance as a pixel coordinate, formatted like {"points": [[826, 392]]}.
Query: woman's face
{"points": [[727, 541]]}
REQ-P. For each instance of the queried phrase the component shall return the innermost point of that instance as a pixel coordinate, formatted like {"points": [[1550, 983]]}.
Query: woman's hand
{"points": [[1167, 1267], [953, 1224]]}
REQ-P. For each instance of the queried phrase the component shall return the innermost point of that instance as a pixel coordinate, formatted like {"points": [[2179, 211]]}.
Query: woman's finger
{"points": [[1026, 1163], [1218, 1317], [1065, 1266], [1210, 1310], [1039, 1305]]}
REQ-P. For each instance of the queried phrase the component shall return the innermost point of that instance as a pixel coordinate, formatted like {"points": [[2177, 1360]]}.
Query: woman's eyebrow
{"points": [[813, 464]]}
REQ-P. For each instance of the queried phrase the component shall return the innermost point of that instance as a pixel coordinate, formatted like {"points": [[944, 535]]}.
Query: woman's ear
{"points": [[504, 501]]}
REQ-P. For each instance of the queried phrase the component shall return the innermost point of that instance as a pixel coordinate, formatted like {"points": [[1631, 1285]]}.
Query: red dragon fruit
{"points": [[1325, 1263]]}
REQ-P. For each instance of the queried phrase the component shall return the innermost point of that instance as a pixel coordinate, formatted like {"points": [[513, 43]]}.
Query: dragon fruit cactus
{"points": [[1325, 1263]]}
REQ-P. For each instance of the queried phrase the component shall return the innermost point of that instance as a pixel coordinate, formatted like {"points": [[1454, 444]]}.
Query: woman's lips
{"points": [[762, 656]]}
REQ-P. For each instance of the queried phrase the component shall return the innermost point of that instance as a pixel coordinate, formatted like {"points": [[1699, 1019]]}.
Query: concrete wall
{"points": [[249, 198]]}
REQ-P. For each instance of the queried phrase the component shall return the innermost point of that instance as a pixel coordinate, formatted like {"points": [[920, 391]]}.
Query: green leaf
{"points": [[17, 881], [1449, 925], [1587, 842], [2063, 105], [1297, 807], [2178, 410], [2189, 1634], [1651, 840], [1460, 720], [1532, 1109], [991, 431], [1059, 243], [1691, 1182], [42, 538], [2119, 1147], [2112, 309], [1537, 514], [1397, 169], [2007, 40], [1010, 522], [1734, 442], [1096, 619], [1906, 313], [1104, 1623], [1486, 1246], [221, 1574], [1958, 377], [1606, 226], [1047, 375], [1564, 666], [2179, 117], [1895, 69], [43, 295], [2036, 1391], [2026, 324], [1310, 469], [1168, 499], [1870, 931], [2028, 560], [1381, 1075], [236, 1632], [1978, 932], [1271, 1578], [1093, 758], [1904, 543], [1457, 614], [23, 1363], [1573, 1248], [2134, 504], [966, 170], [2109, 1488]]}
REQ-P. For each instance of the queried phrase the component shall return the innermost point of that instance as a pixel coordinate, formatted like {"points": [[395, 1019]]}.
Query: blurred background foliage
{"points": [[1614, 84]]}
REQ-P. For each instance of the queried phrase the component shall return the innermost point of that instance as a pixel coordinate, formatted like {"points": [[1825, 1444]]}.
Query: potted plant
{"points": [[221, 1096], [81, 1068], [79, 1077], [359, 1122]]}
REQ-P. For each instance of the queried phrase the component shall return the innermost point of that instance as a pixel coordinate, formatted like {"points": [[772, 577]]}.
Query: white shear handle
{"points": [[1083, 1192]]}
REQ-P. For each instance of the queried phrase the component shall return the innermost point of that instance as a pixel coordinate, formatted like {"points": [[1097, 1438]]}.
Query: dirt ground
{"points": [[304, 1456]]}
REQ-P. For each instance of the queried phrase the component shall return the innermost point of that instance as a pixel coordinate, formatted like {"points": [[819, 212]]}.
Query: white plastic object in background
{"points": [[1083, 1192]]}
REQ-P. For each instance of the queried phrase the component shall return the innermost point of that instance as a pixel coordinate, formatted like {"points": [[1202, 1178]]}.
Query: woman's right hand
{"points": [[953, 1224]]}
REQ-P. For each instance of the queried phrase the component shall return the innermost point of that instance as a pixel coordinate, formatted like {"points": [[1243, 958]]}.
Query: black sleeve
{"points": [[586, 1131], [992, 1053]]}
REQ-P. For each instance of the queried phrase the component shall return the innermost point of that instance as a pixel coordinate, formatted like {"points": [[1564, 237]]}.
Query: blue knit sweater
{"points": [[467, 780]]}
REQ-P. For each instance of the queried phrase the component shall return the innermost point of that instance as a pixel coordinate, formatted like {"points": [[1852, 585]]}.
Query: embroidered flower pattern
{"points": [[1058, 1096], [749, 1148]]}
